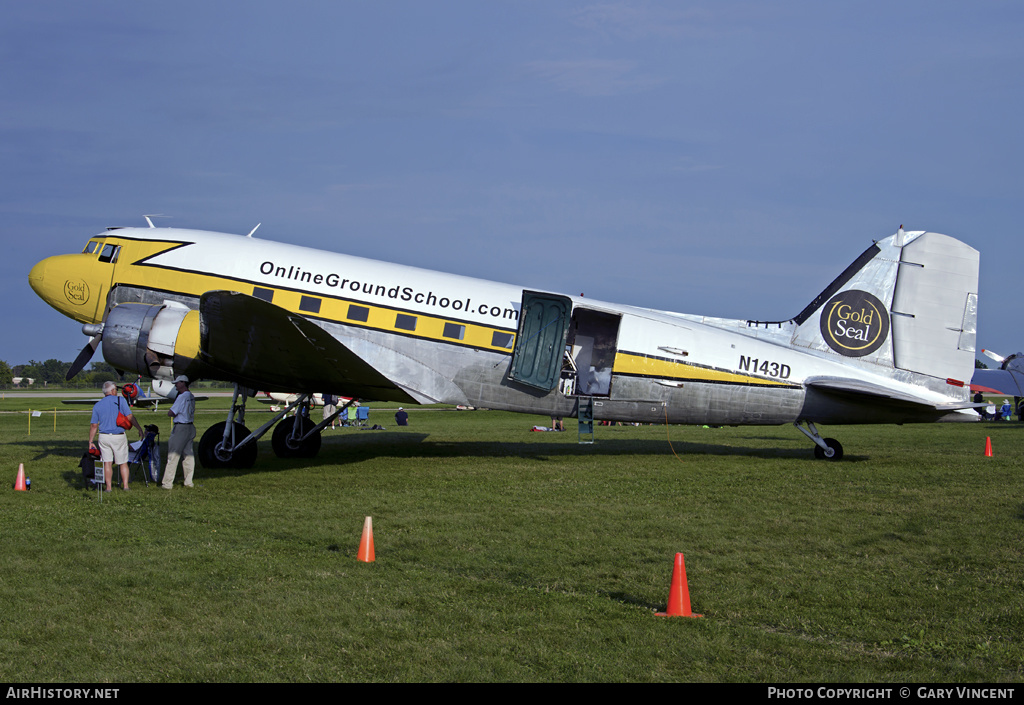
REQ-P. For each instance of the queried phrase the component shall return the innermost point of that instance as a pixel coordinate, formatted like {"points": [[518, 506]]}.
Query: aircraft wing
{"points": [[140, 403], [860, 389], [997, 382], [263, 346]]}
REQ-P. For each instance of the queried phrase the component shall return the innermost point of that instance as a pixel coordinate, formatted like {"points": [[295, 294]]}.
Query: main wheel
{"points": [[213, 455], [835, 447], [285, 446]]}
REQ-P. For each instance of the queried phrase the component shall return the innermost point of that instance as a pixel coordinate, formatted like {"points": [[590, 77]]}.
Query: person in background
{"points": [[1006, 410], [401, 417]]}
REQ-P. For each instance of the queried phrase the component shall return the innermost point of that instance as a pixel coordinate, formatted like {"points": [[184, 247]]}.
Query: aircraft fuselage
{"points": [[444, 338]]}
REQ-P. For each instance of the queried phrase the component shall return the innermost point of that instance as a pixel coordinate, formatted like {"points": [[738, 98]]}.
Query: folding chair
{"points": [[146, 458]]}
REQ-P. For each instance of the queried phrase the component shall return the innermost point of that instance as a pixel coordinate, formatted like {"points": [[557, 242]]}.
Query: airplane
{"points": [[159, 390], [890, 340], [315, 400], [1008, 380]]}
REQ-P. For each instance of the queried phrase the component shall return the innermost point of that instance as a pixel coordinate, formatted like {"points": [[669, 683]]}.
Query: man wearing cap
{"points": [[183, 412]]}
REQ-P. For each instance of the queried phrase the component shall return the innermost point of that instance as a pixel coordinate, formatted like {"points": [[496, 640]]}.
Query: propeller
{"points": [[995, 356], [96, 331]]}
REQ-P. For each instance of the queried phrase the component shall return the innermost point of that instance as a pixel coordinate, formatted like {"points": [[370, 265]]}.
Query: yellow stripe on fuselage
{"points": [[133, 270], [654, 367]]}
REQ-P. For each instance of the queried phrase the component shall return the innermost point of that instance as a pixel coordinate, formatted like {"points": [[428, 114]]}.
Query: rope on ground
{"points": [[665, 407]]}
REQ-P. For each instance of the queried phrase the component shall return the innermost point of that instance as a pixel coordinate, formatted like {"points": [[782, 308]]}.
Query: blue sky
{"points": [[705, 157]]}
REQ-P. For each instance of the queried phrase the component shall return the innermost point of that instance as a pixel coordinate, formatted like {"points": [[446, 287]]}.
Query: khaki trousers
{"points": [[180, 446]]}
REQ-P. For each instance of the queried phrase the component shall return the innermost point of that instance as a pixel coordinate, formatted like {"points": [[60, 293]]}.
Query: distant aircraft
{"points": [[891, 340], [1008, 380], [161, 390]]}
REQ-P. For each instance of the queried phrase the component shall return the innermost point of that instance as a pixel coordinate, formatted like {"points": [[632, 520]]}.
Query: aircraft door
{"points": [[593, 341], [540, 343]]}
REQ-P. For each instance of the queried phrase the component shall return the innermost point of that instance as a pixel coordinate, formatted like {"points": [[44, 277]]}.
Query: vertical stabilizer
{"points": [[907, 305]]}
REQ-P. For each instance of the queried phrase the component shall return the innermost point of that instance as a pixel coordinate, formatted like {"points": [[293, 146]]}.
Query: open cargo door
{"points": [[540, 344]]}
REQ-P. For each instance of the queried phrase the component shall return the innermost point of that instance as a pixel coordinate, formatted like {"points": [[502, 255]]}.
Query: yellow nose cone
{"points": [[62, 282]]}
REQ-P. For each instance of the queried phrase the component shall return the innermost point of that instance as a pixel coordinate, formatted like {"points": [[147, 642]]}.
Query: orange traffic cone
{"points": [[679, 593], [366, 544], [988, 446], [19, 483]]}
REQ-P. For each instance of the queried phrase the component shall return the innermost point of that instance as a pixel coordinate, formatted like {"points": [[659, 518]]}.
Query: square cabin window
{"points": [[260, 293], [405, 322], [454, 330], [358, 313], [309, 304], [501, 340]]}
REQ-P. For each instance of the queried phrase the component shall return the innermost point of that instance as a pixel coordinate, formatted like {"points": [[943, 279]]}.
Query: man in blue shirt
{"points": [[112, 442], [183, 411]]}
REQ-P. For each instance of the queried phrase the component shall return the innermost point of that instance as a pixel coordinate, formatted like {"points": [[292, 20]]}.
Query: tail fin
{"points": [[909, 303]]}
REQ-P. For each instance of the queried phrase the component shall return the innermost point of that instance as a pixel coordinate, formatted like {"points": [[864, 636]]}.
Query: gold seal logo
{"points": [[854, 323], [77, 292]]}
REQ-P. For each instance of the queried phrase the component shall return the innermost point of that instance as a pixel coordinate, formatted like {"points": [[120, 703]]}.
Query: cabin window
{"points": [[309, 304], [454, 330], [90, 247], [501, 340], [110, 253], [358, 313], [260, 293], [405, 322]]}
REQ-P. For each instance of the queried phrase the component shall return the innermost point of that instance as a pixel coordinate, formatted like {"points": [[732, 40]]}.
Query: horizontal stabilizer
{"points": [[859, 388]]}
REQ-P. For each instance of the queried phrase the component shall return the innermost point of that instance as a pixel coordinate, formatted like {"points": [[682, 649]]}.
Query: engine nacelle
{"points": [[156, 340]]}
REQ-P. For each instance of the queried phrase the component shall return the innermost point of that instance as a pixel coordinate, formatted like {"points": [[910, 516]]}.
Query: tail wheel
{"points": [[213, 455], [835, 451], [286, 447]]}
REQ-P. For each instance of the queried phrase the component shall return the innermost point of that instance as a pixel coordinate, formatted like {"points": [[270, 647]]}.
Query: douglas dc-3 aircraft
{"points": [[891, 340]]}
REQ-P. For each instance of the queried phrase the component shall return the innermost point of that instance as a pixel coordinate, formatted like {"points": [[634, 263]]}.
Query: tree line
{"points": [[52, 373]]}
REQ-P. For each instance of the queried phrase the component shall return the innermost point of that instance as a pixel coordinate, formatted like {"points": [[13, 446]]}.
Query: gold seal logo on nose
{"points": [[77, 291]]}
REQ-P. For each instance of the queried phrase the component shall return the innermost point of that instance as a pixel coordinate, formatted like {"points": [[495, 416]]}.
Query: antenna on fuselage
{"points": [[254, 229], [154, 215]]}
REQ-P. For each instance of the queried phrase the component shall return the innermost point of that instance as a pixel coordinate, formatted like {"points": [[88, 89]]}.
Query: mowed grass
{"points": [[508, 555]]}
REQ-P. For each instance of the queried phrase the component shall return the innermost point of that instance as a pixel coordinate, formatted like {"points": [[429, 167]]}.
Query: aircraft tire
{"points": [[241, 459], [832, 443], [284, 449]]}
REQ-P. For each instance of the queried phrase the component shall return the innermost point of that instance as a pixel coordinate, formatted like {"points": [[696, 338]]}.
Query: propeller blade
{"points": [[995, 356], [83, 357]]}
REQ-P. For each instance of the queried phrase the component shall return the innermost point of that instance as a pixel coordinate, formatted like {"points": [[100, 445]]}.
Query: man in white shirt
{"points": [[183, 412]]}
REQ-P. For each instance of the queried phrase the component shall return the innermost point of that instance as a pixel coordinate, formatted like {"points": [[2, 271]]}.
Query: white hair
{"points": [[109, 387]]}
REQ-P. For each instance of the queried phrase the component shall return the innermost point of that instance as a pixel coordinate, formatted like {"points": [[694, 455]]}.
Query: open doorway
{"points": [[590, 353]]}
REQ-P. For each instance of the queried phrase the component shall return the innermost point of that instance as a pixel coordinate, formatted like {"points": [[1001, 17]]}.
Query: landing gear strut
{"points": [[824, 448], [229, 444]]}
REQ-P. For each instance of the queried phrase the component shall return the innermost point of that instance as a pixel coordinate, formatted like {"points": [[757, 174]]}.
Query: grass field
{"points": [[506, 555]]}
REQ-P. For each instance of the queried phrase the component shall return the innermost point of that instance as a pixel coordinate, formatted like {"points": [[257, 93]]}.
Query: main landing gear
{"points": [[229, 444], [824, 448]]}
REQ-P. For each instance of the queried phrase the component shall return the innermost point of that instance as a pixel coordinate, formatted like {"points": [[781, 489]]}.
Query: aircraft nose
{"points": [[37, 276], [63, 281]]}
